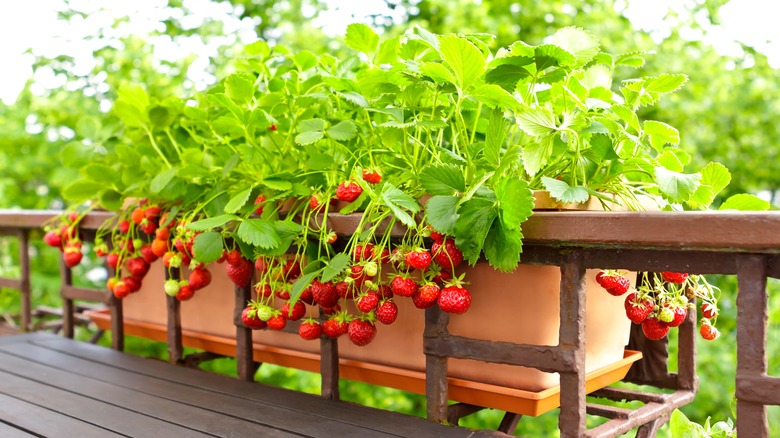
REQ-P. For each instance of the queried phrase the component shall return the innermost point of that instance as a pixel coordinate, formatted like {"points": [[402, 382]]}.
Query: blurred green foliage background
{"points": [[728, 112]]}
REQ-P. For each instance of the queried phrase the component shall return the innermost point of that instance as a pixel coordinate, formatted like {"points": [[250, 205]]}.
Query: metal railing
{"points": [[742, 244]]}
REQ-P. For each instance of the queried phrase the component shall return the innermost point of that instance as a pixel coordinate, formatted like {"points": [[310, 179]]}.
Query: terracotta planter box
{"points": [[521, 307]]}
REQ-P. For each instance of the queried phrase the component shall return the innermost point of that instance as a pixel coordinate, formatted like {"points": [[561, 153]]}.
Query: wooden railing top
{"points": [[711, 230]]}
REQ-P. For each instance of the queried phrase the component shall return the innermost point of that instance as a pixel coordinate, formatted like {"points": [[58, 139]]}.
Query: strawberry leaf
{"points": [[476, 218], [463, 58], [745, 202], [443, 179], [211, 223], [503, 246], [161, 180], [342, 131], [335, 266], [301, 284], [361, 38], [674, 186], [239, 87], [397, 201], [238, 201], [442, 213], [258, 232], [714, 178], [208, 247], [515, 201], [563, 192]]}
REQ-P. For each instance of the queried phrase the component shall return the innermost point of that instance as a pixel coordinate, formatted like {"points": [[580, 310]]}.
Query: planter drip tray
{"points": [[481, 394]]}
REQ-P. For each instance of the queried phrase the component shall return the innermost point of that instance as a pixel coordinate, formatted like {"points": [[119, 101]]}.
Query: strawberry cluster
{"points": [[65, 237], [663, 301]]}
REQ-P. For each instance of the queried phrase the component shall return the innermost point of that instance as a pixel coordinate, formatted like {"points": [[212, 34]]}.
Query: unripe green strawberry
{"points": [[666, 315], [370, 269], [264, 313], [175, 261], [171, 287]]}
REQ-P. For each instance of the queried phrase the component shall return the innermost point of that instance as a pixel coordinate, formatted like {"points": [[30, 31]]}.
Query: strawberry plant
{"points": [[438, 136]]}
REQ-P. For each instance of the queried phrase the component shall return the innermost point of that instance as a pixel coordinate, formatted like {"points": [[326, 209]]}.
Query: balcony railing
{"points": [[742, 244]]}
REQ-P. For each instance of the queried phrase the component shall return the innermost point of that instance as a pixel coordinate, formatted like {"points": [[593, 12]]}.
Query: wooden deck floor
{"points": [[51, 386]]}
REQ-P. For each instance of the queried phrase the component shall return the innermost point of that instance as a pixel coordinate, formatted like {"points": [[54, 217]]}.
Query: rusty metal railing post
{"points": [[436, 323], [245, 363], [68, 310], [175, 346], [751, 342], [329, 365], [572, 338], [24, 280]]}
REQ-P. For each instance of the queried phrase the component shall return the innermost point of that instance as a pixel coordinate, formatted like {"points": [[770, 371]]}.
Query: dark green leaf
{"points": [[208, 247], [471, 229], [443, 179], [515, 201], [442, 213], [503, 246]]}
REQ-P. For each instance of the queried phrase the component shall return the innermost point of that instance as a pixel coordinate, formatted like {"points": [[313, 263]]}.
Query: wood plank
{"points": [[256, 412], [37, 420], [89, 410], [349, 413]]}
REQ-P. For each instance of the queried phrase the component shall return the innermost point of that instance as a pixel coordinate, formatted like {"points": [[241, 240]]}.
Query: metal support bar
{"points": [[175, 346], [329, 365], [572, 336], [436, 323], [244, 352]]}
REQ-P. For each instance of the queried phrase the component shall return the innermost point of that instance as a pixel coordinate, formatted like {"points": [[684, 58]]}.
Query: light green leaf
{"points": [[578, 42], [277, 184], [538, 122], [494, 96], [258, 48], [230, 164], [354, 97], [442, 213], [211, 222], [563, 192], [238, 200], [361, 38], [161, 180], [660, 134], [716, 176], [673, 159], [208, 247], [82, 190], [437, 71], [311, 125], [674, 186], [221, 100], [464, 58], [682, 427], [258, 232], [335, 266], [342, 131], [239, 87], [507, 76], [665, 83], [130, 115], [494, 137], [443, 179], [111, 200], [307, 138], [396, 200], [745, 202], [548, 55], [515, 201], [300, 284], [537, 153], [388, 51], [305, 60], [226, 125]]}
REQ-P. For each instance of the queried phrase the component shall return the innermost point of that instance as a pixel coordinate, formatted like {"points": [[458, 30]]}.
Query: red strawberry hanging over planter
{"points": [[368, 301], [418, 259], [310, 330], [277, 321], [148, 255], [638, 310], [709, 310], [679, 312], [324, 294], [403, 286], [707, 331], [53, 238], [199, 278], [112, 260], [132, 283], [429, 292], [614, 282], [348, 191], [185, 293], [386, 312], [419, 303], [371, 176], [334, 327], [654, 329], [298, 310], [159, 247], [240, 272], [446, 254], [454, 299], [674, 277], [259, 201], [72, 256], [250, 319], [121, 289], [361, 332]]}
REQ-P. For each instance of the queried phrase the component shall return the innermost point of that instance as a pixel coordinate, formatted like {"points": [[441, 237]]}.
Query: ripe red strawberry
{"points": [[446, 254], [112, 260], [367, 301], [348, 191], [708, 332], [120, 290], [73, 216], [309, 330], [345, 289], [240, 272], [137, 267], [283, 292], [138, 215], [298, 310], [148, 255], [111, 282], [331, 310], [291, 269], [454, 299], [403, 286], [263, 290], [418, 259], [148, 226], [259, 201], [250, 319], [429, 292], [357, 274], [361, 332], [371, 176], [133, 284], [332, 238], [153, 212], [314, 203], [185, 293], [385, 291], [261, 265], [419, 303], [709, 310], [306, 297], [277, 321], [272, 127], [124, 227], [637, 311], [232, 257], [333, 327], [674, 277], [613, 282], [386, 312], [162, 234], [654, 329], [363, 252], [159, 247], [435, 235], [199, 278], [324, 293], [53, 238], [680, 312], [72, 256]]}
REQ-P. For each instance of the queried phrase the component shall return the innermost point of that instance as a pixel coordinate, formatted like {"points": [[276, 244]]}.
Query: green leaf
{"points": [[307, 138], [515, 201], [361, 38], [464, 58], [443, 179], [276, 184], [503, 246], [111, 200], [342, 131], [211, 222], [563, 192], [335, 266], [300, 284], [494, 96], [660, 134], [238, 200], [354, 97], [131, 104], [438, 72], [221, 100], [239, 87], [388, 51], [674, 186], [548, 55], [471, 229], [671, 160], [208, 247], [305, 60], [494, 137], [311, 125], [258, 48], [578, 42], [536, 154], [442, 213], [682, 427], [396, 200], [507, 76], [258, 232], [538, 122], [716, 176], [161, 180], [745, 202], [230, 164], [665, 83], [225, 125], [82, 190]]}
